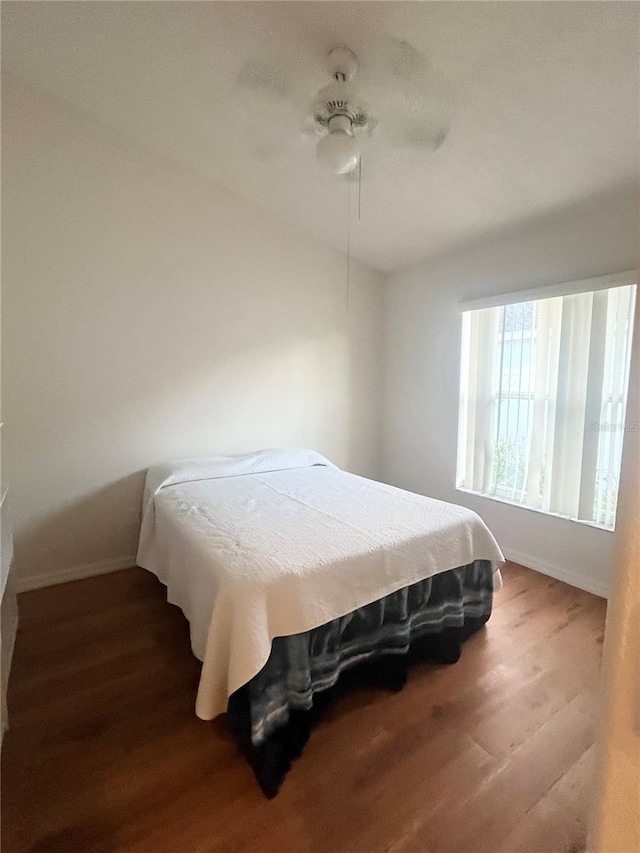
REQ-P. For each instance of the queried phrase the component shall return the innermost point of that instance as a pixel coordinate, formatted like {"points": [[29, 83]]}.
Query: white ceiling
{"points": [[543, 99]]}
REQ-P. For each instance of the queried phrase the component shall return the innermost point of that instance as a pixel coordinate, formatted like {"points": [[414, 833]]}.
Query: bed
{"points": [[296, 576]]}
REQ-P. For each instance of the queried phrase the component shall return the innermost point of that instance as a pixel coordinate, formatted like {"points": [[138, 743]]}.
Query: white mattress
{"points": [[250, 553]]}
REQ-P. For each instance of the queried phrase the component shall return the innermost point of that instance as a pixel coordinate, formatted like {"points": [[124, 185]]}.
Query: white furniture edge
{"points": [[9, 611], [6, 544], [72, 573]]}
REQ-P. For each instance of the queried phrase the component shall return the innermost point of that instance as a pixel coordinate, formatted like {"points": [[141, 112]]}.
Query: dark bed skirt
{"points": [[375, 646], [271, 760]]}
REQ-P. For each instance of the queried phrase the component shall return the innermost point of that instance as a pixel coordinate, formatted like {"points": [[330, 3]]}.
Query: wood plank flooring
{"points": [[104, 752]]}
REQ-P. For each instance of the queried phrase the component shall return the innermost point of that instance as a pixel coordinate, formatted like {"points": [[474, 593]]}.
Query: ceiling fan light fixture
{"points": [[339, 151]]}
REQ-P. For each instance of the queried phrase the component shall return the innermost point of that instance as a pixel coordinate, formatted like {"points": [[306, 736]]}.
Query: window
{"points": [[543, 393]]}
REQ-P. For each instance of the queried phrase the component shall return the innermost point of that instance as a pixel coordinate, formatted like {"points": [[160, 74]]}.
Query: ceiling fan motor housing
{"points": [[339, 100]]}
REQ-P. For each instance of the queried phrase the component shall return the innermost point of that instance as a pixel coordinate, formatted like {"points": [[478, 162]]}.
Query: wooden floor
{"points": [[105, 753]]}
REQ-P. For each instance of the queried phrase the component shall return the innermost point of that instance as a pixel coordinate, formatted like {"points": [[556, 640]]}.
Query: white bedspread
{"points": [[279, 542]]}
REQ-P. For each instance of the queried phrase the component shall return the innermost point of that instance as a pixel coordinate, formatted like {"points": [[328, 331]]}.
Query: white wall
{"points": [[147, 315], [422, 368]]}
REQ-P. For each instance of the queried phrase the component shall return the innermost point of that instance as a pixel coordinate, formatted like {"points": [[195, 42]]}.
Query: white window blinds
{"points": [[542, 402]]}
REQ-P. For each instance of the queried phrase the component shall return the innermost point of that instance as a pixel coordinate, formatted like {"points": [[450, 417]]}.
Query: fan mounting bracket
{"points": [[342, 64]]}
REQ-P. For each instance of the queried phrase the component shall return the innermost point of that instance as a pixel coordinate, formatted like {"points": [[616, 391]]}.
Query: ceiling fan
{"points": [[340, 115], [410, 107]]}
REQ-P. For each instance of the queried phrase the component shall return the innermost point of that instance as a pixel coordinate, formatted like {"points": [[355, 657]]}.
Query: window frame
{"points": [[588, 285]]}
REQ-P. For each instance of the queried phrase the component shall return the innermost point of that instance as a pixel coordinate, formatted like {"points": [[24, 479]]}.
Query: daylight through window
{"points": [[543, 396]]}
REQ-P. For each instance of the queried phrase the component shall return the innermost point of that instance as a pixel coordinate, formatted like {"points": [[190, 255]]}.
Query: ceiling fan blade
{"points": [[396, 65], [414, 122], [395, 58], [413, 137], [414, 104], [425, 136], [273, 104], [265, 78], [412, 107]]}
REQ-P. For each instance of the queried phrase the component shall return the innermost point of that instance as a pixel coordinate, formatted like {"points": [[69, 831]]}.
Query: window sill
{"points": [[500, 500]]}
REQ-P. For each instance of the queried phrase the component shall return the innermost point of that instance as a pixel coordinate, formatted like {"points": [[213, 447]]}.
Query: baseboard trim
{"points": [[589, 584], [73, 573]]}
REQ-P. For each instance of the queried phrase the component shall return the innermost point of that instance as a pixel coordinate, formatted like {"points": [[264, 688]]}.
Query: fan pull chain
{"points": [[349, 223]]}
